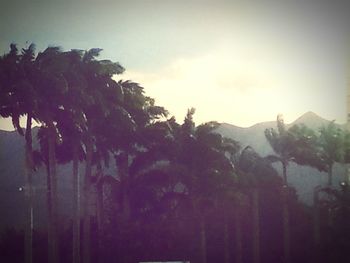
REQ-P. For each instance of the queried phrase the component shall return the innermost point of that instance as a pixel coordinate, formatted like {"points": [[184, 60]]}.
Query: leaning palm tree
{"points": [[313, 153], [231, 196], [35, 91], [99, 95], [331, 143], [248, 166], [193, 157], [210, 172], [282, 143], [254, 174], [70, 127], [51, 86], [297, 144]]}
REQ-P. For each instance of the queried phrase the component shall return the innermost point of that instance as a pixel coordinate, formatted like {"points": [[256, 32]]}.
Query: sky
{"points": [[239, 62]]}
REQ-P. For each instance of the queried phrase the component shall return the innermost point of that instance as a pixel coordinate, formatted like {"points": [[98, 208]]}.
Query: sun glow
{"points": [[241, 84]]}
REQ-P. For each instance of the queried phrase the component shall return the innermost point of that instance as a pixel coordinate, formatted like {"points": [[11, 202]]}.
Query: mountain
{"points": [[311, 119], [304, 179]]}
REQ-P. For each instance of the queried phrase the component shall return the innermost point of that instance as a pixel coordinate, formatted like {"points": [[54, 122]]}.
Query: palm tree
{"points": [[319, 151], [194, 158], [42, 157], [297, 144], [58, 77], [250, 165], [282, 142], [51, 87], [70, 149], [72, 124], [99, 94], [16, 100], [331, 143], [209, 172], [254, 174], [231, 196], [61, 75]]}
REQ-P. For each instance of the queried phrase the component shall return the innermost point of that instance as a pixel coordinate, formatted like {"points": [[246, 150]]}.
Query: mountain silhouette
{"points": [[303, 178]]}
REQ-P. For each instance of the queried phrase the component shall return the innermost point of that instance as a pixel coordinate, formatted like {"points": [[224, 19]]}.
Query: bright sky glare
{"points": [[239, 62]]}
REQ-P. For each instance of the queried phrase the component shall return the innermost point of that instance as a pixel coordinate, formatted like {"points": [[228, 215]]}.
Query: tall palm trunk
{"points": [[50, 228], [256, 227], [238, 234], [284, 172], [52, 205], [286, 230], [29, 192], [100, 220], [330, 174], [329, 210], [76, 204], [317, 234], [226, 240], [87, 186], [285, 216], [99, 213], [123, 167]]}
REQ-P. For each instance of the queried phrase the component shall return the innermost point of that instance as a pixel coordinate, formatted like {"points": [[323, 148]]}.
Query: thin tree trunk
{"points": [[203, 239], [284, 167], [100, 218], [286, 230], [330, 174], [29, 192], [317, 234], [285, 216], [256, 227], [50, 245], [53, 245], [123, 164], [226, 240], [238, 235], [87, 221], [329, 210], [330, 223], [76, 204]]}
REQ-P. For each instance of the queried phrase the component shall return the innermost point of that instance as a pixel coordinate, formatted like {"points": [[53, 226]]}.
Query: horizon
{"points": [[233, 61], [6, 124]]}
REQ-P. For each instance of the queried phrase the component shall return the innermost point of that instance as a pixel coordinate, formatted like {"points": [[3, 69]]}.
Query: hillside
{"points": [[304, 179]]}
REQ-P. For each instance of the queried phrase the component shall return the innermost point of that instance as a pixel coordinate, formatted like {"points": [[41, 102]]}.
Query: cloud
{"points": [[242, 85], [219, 85]]}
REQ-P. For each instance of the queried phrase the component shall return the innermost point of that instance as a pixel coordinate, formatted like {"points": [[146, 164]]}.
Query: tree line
{"points": [[180, 191]]}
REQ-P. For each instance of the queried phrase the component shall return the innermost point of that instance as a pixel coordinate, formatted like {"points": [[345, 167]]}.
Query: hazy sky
{"points": [[239, 62]]}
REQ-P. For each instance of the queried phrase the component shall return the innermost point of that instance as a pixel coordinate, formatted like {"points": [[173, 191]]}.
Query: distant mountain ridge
{"points": [[312, 120], [304, 179]]}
